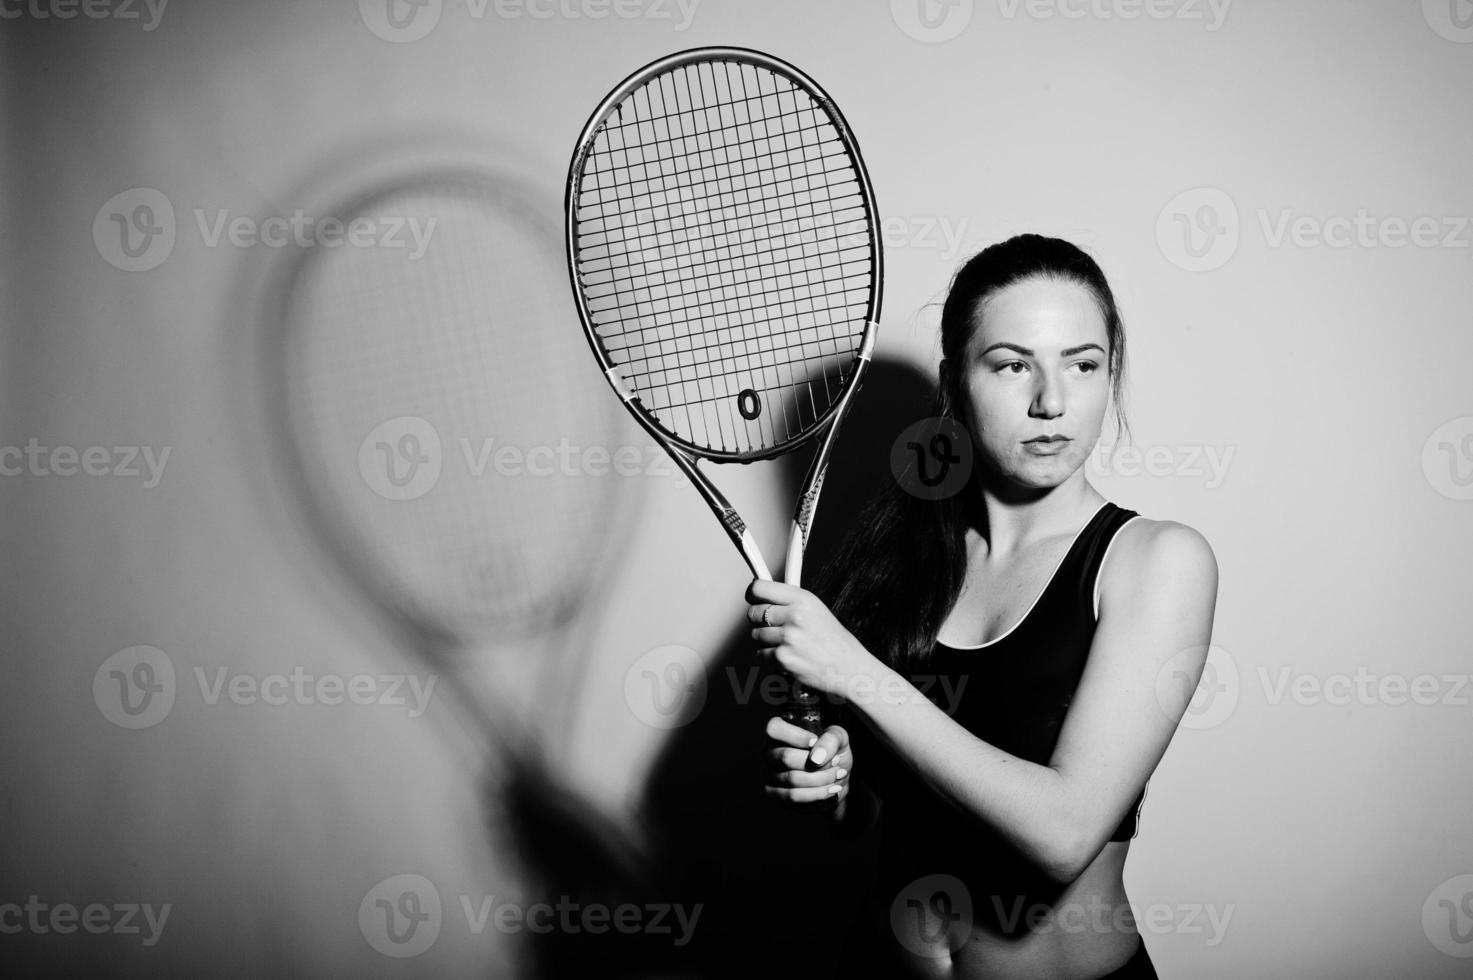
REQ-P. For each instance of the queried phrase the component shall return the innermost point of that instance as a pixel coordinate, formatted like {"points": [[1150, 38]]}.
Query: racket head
{"points": [[724, 251], [401, 378]]}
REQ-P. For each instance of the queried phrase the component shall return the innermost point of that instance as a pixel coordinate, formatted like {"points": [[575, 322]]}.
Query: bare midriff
{"points": [[1084, 932]]}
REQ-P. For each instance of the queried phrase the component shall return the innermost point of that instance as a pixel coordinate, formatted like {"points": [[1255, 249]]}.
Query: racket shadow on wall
{"points": [[418, 403]]}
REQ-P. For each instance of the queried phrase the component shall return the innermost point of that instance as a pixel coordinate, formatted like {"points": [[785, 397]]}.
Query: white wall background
{"points": [[1325, 371]]}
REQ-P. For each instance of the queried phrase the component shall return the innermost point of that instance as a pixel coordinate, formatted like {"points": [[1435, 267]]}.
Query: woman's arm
{"points": [[1156, 611], [1156, 608]]}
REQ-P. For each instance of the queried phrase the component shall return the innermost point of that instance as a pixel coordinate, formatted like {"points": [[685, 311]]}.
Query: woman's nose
{"points": [[1048, 399]]}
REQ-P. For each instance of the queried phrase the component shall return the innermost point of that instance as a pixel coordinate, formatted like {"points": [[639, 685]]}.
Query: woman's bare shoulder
{"points": [[1147, 553]]}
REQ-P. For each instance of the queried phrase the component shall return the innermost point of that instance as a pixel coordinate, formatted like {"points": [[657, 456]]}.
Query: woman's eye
{"points": [[1088, 367], [1007, 366]]}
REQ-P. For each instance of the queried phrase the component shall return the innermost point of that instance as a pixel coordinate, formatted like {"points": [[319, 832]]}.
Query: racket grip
{"points": [[803, 709]]}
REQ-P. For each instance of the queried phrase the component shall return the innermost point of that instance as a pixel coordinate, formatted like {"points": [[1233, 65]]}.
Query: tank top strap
{"points": [[1089, 554]]}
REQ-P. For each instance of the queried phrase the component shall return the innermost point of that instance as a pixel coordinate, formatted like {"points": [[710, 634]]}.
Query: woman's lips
{"points": [[1046, 446]]}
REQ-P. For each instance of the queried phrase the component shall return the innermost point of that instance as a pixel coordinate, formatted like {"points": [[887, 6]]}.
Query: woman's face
{"points": [[1037, 365]]}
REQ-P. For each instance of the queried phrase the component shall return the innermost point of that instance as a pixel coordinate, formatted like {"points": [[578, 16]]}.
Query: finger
{"points": [[768, 636], [790, 734], [778, 759], [829, 744], [802, 779], [782, 758], [777, 593], [798, 797], [758, 610]]}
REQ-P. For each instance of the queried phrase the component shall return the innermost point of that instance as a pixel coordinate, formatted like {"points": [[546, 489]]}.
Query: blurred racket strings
{"points": [[440, 401]]}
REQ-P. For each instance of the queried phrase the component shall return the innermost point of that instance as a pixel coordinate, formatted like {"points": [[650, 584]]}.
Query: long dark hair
{"points": [[898, 572]]}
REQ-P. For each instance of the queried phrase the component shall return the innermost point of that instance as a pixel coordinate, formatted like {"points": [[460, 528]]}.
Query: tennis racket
{"points": [[724, 252], [439, 415]]}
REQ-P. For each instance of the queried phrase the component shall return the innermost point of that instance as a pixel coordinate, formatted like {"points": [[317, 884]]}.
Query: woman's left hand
{"points": [[795, 630]]}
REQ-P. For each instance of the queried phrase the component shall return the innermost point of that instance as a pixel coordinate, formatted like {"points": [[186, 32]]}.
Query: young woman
{"points": [[1000, 653]]}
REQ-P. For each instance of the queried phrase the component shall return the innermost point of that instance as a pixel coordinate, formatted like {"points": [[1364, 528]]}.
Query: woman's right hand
{"points": [[807, 772]]}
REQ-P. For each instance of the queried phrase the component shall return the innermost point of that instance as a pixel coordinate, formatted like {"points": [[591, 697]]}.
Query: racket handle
{"points": [[803, 709]]}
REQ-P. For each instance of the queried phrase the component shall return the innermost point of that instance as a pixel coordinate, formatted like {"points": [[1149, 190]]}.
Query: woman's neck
{"points": [[1010, 521]]}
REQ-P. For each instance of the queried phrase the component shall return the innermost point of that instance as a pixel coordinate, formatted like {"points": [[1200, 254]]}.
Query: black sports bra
{"points": [[1014, 694], [1018, 687]]}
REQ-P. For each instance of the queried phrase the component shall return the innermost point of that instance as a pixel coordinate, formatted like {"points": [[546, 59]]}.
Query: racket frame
{"points": [[803, 705]]}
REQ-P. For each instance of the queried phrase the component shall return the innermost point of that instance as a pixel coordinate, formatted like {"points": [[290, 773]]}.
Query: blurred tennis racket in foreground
{"points": [[725, 255]]}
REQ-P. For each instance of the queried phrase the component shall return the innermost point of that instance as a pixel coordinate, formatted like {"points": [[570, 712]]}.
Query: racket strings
{"points": [[721, 238]]}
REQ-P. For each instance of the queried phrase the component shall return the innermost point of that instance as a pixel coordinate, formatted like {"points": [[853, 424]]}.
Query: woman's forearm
{"points": [[1025, 802]]}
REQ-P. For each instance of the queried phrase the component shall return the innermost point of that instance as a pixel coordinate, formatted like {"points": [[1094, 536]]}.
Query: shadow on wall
{"points": [[776, 892]]}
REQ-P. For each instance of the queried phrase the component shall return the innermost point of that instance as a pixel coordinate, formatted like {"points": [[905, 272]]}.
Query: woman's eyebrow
{"points": [[1067, 352]]}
